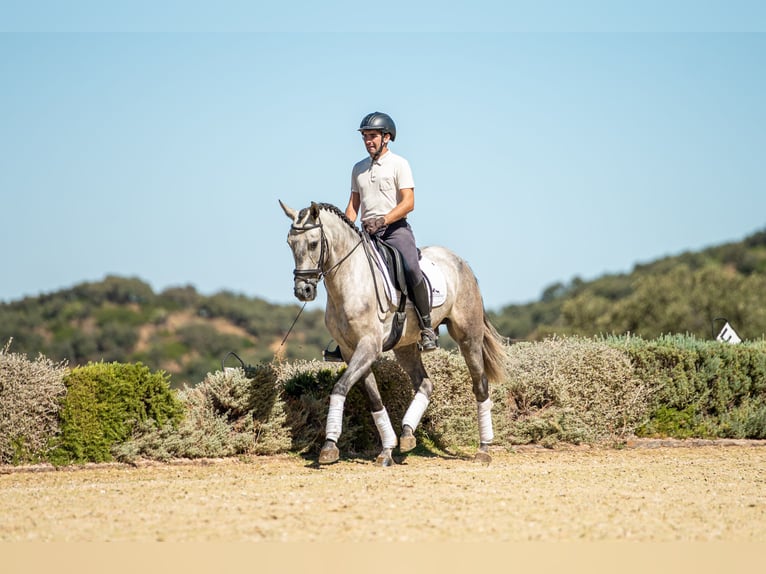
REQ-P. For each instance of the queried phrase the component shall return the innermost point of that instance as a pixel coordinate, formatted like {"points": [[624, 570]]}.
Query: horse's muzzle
{"points": [[305, 291]]}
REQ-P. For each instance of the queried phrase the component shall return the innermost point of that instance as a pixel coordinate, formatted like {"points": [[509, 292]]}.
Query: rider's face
{"points": [[373, 140]]}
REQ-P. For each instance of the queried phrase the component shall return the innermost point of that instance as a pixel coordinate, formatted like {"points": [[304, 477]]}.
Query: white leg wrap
{"points": [[385, 430], [415, 411], [485, 421], [335, 417]]}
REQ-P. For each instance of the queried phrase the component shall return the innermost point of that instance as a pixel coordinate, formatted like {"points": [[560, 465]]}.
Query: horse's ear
{"points": [[289, 211], [314, 210]]}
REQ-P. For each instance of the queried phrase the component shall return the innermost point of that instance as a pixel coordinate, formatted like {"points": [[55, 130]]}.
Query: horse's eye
{"points": [[313, 245]]}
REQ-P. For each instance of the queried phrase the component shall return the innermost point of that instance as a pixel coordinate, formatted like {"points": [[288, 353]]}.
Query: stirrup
{"points": [[332, 356], [429, 340]]}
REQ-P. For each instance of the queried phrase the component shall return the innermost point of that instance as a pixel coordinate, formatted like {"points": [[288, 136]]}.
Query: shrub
{"points": [[450, 421], [575, 390], [703, 389], [103, 405], [558, 390], [29, 395], [227, 414], [307, 387]]}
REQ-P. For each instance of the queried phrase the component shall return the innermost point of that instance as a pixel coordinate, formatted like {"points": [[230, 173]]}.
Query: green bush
{"points": [[702, 389], [105, 403]]}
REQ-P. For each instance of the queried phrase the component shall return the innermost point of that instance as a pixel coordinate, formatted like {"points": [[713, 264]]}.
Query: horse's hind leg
{"points": [[409, 359], [471, 349]]}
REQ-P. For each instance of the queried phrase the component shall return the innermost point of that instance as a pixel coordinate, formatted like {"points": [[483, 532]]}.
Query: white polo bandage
{"points": [[385, 430], [415, 411], [485, 421], [335, 417]]}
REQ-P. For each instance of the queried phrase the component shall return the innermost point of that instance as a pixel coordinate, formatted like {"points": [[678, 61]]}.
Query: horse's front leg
{"points": [[367, 350], [382, 422]]}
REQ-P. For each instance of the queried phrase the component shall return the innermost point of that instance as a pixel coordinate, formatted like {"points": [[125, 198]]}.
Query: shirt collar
{"points": [[382, 158]]}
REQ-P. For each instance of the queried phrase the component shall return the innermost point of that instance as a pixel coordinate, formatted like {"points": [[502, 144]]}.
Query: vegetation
{"points": [[701, 389], [186, 334], [29, 402], [104, 404], [570, 389], [178, 331], [680, 294], [124, 372]]}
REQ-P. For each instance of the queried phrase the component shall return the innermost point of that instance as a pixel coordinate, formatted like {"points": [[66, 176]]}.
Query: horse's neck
{"points": [[352, 276]]}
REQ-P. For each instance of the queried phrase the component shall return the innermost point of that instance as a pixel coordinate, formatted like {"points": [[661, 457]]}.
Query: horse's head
{"points": [[308, 244]]}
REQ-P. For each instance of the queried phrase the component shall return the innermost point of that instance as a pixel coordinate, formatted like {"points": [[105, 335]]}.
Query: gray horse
{"points": [[327, 245]]}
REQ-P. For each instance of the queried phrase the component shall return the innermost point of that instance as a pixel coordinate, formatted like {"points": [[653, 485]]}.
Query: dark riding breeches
{"points": [[399, 234]]}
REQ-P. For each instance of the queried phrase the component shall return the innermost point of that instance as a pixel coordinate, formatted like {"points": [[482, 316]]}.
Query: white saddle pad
{"points": [[433, 274]]}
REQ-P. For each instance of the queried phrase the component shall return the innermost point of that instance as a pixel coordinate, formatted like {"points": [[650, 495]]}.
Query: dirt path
{"points": [[700, 493]]}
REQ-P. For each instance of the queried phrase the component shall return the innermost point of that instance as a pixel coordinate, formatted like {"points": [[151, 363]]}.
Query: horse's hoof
{"points": [[329, 454], [407, 443], [483, 457], [384, 459]]}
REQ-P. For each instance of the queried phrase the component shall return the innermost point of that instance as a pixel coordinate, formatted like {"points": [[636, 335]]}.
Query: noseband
{"points": [[312, 276]]}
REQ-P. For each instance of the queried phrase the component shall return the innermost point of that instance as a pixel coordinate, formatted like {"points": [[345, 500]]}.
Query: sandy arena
{"points": [[649, 493]]}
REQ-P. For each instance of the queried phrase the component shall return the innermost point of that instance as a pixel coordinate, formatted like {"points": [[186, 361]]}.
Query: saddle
{"points": [[389, 260], [392, 259]]}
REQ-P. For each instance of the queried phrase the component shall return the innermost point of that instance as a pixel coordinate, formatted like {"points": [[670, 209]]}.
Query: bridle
{"points": [[314, 275]]}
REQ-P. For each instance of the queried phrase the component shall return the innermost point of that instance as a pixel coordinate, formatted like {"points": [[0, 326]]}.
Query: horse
{"points": [[328, 246]]}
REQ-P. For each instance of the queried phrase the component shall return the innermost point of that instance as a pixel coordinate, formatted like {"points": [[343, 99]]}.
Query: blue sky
{"points": [[156, 143]]}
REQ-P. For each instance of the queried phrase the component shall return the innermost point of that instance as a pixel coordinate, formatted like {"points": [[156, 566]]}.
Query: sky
{"points": [[154, 139]]}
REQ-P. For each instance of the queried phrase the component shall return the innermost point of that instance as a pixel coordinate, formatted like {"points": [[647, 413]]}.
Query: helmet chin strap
{"points": [[383, 143]]}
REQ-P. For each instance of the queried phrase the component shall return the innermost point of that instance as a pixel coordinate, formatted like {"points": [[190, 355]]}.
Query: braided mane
{"points": [[341, 215]]}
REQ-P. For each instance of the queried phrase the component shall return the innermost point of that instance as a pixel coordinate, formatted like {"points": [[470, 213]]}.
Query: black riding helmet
{"points": [[379, 121]]}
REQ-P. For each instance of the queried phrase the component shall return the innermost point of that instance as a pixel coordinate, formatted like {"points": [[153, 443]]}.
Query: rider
{"points": [[383, 189]]}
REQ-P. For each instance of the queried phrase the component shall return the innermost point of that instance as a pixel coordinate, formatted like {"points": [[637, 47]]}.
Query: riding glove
{"points": [[374, 225]]}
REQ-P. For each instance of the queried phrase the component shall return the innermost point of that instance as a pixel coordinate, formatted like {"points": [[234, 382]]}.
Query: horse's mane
{"points": [[334, 210]]}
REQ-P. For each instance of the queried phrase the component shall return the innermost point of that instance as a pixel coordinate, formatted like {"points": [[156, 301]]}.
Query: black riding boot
{"points": [[422, 300]]}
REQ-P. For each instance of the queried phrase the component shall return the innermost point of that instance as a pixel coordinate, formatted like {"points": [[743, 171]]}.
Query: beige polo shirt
{"points": [[378, 184]]}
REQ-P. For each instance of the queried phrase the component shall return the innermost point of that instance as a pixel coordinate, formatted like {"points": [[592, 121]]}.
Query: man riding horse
{"points": [[383, 189], [327, 246]]}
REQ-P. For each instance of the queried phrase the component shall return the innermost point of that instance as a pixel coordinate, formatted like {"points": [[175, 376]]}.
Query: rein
{"points": [[316, 274]]}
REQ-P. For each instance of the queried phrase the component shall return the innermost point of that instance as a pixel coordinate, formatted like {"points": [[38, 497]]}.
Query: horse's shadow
{"points": [[400, 458]]}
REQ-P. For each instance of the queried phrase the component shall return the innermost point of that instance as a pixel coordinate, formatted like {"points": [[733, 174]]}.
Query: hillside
{"points": [[178, 330], [188, 334], [677, 294]]}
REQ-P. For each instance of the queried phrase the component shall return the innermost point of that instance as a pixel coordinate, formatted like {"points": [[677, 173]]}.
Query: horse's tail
{"points": [[493, 351]]}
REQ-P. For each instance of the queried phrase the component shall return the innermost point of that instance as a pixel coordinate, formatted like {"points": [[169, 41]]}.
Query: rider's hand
{"points": [[374, 225]]}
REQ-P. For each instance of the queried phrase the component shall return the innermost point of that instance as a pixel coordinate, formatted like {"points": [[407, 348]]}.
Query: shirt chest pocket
{"points": [[387, 184]]}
